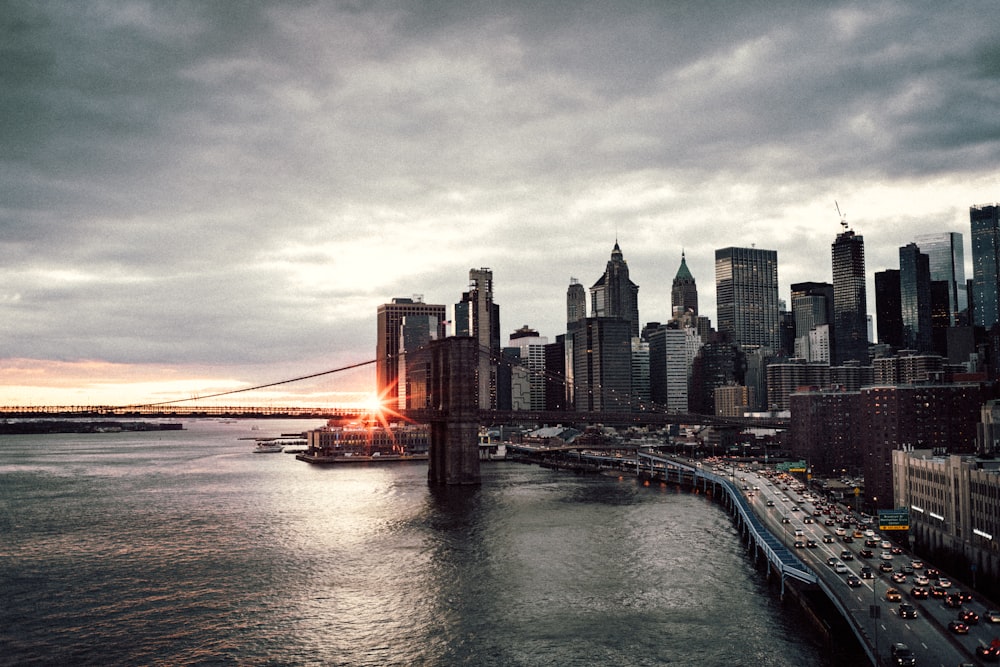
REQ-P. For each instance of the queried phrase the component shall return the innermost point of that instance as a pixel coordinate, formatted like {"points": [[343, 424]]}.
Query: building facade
{"points": [[746, 285], [850, 304], [602, 365], [915, 298], [985, 223], [478, 317], [614, 294], [394, 341], [954, 508], [946, 254]]}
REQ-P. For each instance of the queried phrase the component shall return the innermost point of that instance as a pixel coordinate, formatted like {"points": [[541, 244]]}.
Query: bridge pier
{"points": [[453, 392]]}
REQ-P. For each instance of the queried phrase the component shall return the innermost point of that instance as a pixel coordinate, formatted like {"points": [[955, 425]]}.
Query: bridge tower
{"points": [[454, 397]]}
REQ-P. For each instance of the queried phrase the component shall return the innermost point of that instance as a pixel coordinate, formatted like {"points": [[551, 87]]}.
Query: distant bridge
{"points": [[486, 417]]}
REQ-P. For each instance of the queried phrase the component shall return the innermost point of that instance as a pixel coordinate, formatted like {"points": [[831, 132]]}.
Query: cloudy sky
{"points": [[204, 196]]}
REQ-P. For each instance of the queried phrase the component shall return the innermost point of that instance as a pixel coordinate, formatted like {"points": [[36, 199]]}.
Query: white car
{"points": [[840, 568], [885, 555]]}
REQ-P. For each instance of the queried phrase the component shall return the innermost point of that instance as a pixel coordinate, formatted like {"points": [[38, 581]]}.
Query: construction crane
{"points": [[843, 218]]}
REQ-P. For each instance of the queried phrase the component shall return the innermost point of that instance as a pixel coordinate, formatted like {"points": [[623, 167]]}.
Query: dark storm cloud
{"points": [[212, 182]]}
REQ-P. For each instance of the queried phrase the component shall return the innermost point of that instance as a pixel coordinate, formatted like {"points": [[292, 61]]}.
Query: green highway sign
{"points": [[897, 519], [792, 466]]}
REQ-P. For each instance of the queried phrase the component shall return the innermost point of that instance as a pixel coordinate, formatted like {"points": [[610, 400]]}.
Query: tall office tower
{"points": [[672, 351], [888, 310], [946, 253], [602, 365], [850, 305], [746, 287], [812, 309], [614, 295], [915, 298], [640, 374], [576, 302], [528, 373], [424, 322], [683, 292], [985, 222], [477, 316]]}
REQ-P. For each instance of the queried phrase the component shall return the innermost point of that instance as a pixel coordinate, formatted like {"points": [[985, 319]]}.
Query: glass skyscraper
{"points": [[985, 221], [915, 298], [746, 288], [946, 253], [850, 304]]}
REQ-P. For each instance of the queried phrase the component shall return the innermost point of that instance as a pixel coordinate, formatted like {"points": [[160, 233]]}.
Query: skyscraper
{"points": [[576, 302], [985, 222], [746, 286], [850, 305], [477, 316], [946, 253], [614, 295], [602, 365], [812, 309], [887, 308], [403, 326], [915, 298], [683, 292]]}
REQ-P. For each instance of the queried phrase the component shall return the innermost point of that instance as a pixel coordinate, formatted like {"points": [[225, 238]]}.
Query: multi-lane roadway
{"points": [[867, 571]]}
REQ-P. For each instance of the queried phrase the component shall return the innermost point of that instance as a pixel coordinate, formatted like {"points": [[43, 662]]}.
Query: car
{"points": [[885, 555], [932, 573], [921, 580], [885, 567], [840, 568], [958, 628], [907, 610], [871, 543], [992, 615], [966, 597], [853, 581], [828, 522], [866, 573], [811, 544], [785, 519], [831, 561], [937, 592], [917, 564], [866, 553], [770, 503], [886, 544], [968, 617], [944, 582], [896, 550], [990, 653], [799, 544], [892, 595], [898, 578], [828, 539], [919, 593], [847, 538], [906, 569], [952, 601], [846, 555], [808, 519], [902, 655]]}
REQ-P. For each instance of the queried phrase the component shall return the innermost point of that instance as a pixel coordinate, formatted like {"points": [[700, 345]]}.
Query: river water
{"points": [[184, 547]]}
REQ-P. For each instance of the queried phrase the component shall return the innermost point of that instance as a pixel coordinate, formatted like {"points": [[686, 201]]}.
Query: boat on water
{"points": [[267, 446], [288, 445]]}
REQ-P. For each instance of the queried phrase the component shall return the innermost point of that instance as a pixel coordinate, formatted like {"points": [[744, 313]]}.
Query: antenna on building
{"points": [[843, 218]]}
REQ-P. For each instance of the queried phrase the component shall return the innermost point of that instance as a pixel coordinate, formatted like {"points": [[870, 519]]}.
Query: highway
{"points": [[824, 539]]}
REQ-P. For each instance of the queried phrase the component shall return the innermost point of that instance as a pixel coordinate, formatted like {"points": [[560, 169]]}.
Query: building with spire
{"points": [[683, 292], [614, 294]]}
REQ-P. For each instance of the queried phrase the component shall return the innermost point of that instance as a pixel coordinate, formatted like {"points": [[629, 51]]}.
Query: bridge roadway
{"points": [[768, 515], [486, 417]]}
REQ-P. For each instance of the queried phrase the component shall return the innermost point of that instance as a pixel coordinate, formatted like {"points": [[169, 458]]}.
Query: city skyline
{"points": [[200, 199]]}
